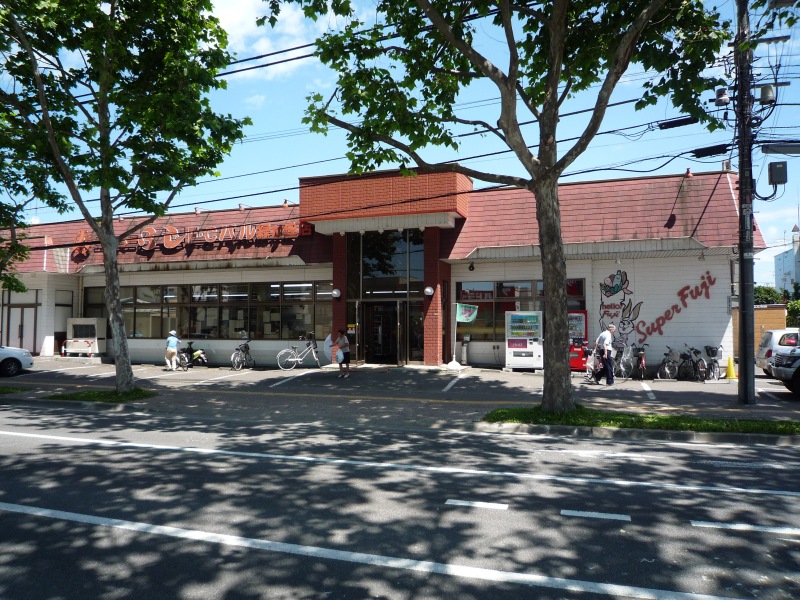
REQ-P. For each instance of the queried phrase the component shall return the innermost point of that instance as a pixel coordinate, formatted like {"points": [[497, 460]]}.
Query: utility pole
{"points": [[743, 60]]}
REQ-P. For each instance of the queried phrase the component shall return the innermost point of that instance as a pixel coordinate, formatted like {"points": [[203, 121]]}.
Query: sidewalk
{"points": [[392, 397]]}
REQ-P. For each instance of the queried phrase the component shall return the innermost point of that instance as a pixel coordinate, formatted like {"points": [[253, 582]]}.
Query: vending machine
{"points": [[524, 340]]}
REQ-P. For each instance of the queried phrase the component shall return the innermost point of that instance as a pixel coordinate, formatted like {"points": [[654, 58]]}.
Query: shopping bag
{"points": [[339, 356]]}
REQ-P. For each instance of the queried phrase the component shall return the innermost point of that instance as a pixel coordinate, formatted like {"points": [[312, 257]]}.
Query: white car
{"points": [[13, 360], [771, 343]]}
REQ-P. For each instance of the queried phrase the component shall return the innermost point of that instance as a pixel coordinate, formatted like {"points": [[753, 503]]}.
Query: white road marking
{"points": [[595, 515], [204, 381], [417, 468], [749, 465], [452, 383], [377, 560], [491, 505], [649, 391], [289, 378], [48, 371], [747, 527]]}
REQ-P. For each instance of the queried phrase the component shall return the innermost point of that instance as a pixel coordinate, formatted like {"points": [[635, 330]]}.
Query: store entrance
{"points": [[392, 332], [380, 327]]}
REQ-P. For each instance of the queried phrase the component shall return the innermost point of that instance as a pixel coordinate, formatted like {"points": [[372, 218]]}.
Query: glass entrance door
{"points": [[380, 332]]}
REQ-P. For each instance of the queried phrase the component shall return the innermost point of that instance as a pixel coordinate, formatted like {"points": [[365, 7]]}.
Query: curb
{"points": [[612, 433]]}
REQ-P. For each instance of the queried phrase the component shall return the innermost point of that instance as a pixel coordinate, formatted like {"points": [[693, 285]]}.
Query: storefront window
{"points": [[226, 311], [296, 321], [294, 292], [204, 293], [495, 299], [234, 293], [176, 294], [203, 322]]}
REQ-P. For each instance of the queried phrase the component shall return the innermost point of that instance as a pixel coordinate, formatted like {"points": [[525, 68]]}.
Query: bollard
{"points": [[64, 348], [731, 372]]}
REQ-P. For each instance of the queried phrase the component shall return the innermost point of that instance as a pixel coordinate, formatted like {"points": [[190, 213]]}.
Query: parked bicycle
{"points": [[289, 358], [623, 363], [692, 366], [640, 368], [668, 369], [241, 357], [713, 352]]}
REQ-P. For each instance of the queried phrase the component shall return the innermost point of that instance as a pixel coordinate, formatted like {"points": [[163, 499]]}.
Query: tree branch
{"points": [[619, 64]]}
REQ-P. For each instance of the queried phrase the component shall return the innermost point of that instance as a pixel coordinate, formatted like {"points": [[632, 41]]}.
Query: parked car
{"points": [[13, 360], [771, 342]]}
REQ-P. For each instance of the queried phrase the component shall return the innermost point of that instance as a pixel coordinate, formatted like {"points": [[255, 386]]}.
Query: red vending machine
{"points": [[578, 339]]}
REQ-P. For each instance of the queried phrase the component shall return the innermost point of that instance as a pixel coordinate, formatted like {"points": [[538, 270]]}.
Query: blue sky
{"points": [[278, 150]]}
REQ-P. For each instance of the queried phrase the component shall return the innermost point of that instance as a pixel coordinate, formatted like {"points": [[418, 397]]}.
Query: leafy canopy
{"points": [[111, 96]]}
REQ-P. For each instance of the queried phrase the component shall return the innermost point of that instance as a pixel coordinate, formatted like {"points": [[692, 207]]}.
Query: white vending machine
{"points": [[524, 340]]}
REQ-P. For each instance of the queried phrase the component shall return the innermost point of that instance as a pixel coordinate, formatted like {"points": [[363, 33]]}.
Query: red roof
{"points": [[703, 207]]}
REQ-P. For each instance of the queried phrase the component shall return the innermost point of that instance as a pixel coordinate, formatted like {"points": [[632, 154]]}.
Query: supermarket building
{"points": [[389, 257]]}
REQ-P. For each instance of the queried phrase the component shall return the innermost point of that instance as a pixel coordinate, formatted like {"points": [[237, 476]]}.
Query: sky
{"points": [[278, 149]]}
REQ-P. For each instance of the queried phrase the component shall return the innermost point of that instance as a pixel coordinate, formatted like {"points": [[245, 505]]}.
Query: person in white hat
{"points": [[171, 355]]}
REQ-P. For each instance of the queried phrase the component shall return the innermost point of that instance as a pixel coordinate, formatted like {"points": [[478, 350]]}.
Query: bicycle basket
{"points": [[712, 351], [686, 356], [245, 347]]}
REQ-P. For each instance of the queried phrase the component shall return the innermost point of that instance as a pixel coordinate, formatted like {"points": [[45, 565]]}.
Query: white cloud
{"points": [[256, 101], [246, 39]]}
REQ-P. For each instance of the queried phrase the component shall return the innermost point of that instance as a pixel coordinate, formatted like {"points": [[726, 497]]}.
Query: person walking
{"points": [[344, 347], [603, 346], [171, 354]]}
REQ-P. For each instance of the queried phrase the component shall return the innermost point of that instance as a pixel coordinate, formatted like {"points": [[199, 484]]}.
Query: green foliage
{"points": [[586, 417], [107, 396], [403, 77], [116, 101], [793, 313], [763, 294]]}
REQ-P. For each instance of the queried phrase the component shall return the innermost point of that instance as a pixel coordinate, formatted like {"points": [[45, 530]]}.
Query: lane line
{"points": [[747, 527], [492, 505], [289, 378], [376, 560], [413, 468], [649, 391], [595, 515], [452, 383]]}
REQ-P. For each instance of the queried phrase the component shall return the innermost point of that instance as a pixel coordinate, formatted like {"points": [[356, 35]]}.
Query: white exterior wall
{"points": [[655, 287], [48, 284], [218, 351]]}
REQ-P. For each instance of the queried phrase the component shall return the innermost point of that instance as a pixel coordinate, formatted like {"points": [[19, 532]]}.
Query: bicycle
{"points": [[640, 369], [713, 353], [241, 357], [623, 363], [668, 369], [183, 361], [289, 358], [692, 366]]}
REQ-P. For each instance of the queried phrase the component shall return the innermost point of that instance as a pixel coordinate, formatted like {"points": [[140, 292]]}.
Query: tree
{"points": [[402, 79], [112, 96], [763, 294]]}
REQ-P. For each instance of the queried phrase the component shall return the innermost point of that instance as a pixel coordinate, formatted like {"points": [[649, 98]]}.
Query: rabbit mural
{"points": [[625, 327], [623, 312]]}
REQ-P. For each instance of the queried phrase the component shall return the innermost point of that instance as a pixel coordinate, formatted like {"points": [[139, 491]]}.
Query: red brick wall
{"points": [[383, 194], [437, 275]]}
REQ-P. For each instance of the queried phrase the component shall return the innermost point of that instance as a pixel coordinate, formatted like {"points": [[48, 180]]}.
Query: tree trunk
{"points": [[557, 394], [114, 306]]}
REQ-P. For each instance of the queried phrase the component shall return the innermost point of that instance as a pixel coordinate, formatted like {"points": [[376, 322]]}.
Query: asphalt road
{"points": [[192, 504]]}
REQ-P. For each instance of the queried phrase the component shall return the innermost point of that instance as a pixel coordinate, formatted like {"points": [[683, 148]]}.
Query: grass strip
{"points": [[587, 417], [7, 389], [107, 396]]}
